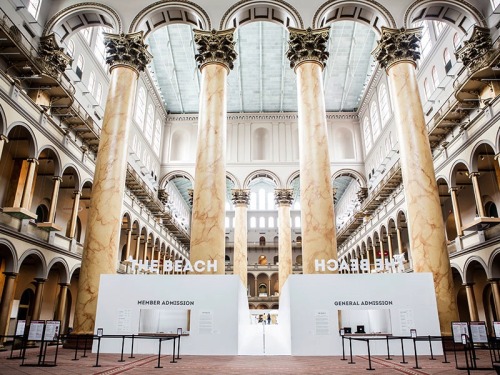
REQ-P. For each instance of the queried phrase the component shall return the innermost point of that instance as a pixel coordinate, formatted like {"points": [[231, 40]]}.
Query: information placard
{"points": [[52, 330], [479, 334], [36, 330], [458, 329], [322, 323], [21, 326], [496, 328]]}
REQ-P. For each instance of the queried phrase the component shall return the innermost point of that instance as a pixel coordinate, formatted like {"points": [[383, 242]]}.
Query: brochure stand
{"points": [[44, 332]]}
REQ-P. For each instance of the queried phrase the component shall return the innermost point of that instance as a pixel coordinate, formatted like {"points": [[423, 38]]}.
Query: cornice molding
{"points": [[292, 116]]}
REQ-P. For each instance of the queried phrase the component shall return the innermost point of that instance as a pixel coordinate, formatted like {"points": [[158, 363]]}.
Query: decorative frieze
{"points": [[127, 49], [265, 117], [283, 196], [474, 53], [307, 45], [52, 58], [240, 196], [397, 45], [215, 47]]}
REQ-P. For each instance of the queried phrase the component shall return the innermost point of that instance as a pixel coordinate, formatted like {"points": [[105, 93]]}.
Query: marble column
{"points": [[6, 302], [471, 301], [129, 240], [53, 203], [215, 60], [477, 193], [74, 214], [3, 141], [37, 303], [137, 247], [495, 291], [61, 306], [307, 54], [284, 200], [127, 56], [29, 185], [241, 198], [456, 211], [389, 242], [397, 53]]}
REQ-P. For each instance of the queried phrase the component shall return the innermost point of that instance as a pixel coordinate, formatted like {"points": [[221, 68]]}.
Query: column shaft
{"points": [[240, 242], [104, 220], [29, 185], [209, 197], [53, 202], [74, 214], [3, 140], [6, 302], [129, 240], [456, 211], [471, 301], [477, 194], [426, 227], [284, 244], [317, 215], [61, 306], [37, 304], [495, 290], [389, 242]]}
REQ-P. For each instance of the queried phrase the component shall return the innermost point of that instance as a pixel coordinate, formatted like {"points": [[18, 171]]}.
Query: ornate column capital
{"points": [[240, 196], [57, 178], [474, 51], [127, 50], [6, 140], [215, 47], [398, 45], [453, 188], [334, 193], [307, 45], [283, 196], [191, 196], [32, 160], [52, 58], [474, 174]]}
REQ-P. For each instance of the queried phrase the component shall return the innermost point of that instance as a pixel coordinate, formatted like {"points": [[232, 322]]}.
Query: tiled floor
{"points": [[220, 365]]}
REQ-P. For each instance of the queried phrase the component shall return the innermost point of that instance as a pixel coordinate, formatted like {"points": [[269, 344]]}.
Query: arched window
{"points": [[270, 222], [297, 222], [270, 200], [447, 60], [435, 78], [157, 138], [253, 222], [79, 66], [427, 89], [367, 131], [425, 42], [34, 7], [456, 41], [98, 94], [262, 199], [86, 34], [385, 107], [150, 119], [253, 200], [140, 108], [262, 222], [91, 83], [71, 48], [438, 27], [375, 120], [226, 223], [99, 47]]}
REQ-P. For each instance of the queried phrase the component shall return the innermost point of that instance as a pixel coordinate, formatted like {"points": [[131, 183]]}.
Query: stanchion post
{"points": [[85, 347], [369, 355], [430, 347], [343, 351], [132, 348], [415, 351], [350, 352], [76, 348], [388, 353], [444, 351], [159, 354], [98, 350], [178, 347], [123, 344], [173, 353], [403, 350]]}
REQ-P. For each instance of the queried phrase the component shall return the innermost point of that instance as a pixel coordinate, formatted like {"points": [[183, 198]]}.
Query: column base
{"points": [[19, 213]]}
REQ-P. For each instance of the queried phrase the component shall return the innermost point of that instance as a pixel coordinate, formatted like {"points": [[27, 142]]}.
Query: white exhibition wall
{"points": [[390, 303], [213, 310]]}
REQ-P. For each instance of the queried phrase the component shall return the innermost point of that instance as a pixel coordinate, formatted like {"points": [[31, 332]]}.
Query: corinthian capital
{"points": [[283, 196], [397, 45], [52, 58], [307, 45], [215, 47], [475, 51], [240, 196], [127, 49]]}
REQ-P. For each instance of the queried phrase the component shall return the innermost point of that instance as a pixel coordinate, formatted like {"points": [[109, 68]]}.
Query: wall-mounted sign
{"points": [[153, 266], [356, 265]]}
